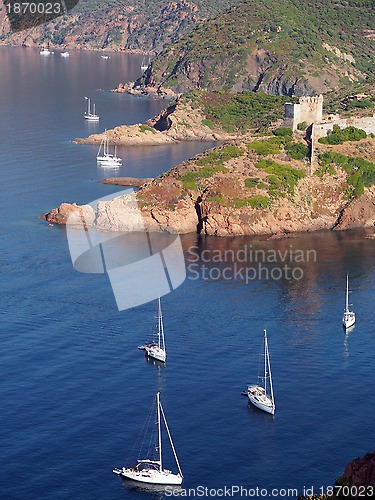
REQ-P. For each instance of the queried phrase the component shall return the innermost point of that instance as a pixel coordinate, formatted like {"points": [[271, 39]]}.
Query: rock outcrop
{"points": [[178, 122], [126, 181], [361, 471]]}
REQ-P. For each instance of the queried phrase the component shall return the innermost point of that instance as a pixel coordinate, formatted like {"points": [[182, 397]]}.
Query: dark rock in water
{"points": [[361, 471], [126, 181]]}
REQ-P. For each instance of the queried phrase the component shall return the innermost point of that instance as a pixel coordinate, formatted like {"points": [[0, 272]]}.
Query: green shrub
{"points": [[251, 182], [259, 201], [264, 148], [143, 128], [339, 136], [297, 151], [302, 126], [282, 131], [208, 123]]}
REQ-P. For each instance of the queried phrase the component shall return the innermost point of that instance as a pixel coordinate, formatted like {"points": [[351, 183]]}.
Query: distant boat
{"points": [[258, 393], [45, 51], [152, 471], [145, 65], [105, 57], [65, 54], [104, 158], [156, 350], [92, 116], [348, 319]]}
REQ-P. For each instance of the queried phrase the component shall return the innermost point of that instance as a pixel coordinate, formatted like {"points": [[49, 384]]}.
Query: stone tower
{"points": [[309, 110]]}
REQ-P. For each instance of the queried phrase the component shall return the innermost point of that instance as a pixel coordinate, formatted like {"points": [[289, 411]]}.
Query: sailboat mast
{"points": [[161, 329], [269, 367], [347, 293], [159, 431], [170, 440], [88, 106], [265, 361]]}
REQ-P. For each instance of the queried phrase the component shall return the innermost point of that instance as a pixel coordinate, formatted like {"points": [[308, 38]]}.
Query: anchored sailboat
{"points": [[258, 393], [105, 158], [348, 319], [157, 349], [92, 116], [145, 65], [151, 471]]}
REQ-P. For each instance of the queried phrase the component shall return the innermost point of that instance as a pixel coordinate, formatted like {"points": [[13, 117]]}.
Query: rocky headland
{"points": [[232, 190], [178, 122]]}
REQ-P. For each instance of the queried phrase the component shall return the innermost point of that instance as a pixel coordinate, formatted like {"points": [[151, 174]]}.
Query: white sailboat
{"points": [[92, 116], [258, 393], [348, 319], [45, 51], [145, 65], [152, 471], [65, 54], [157, 349], [104, 158]]}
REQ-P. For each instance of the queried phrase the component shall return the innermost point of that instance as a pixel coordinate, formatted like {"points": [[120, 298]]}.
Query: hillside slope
{"points": [[117, 24], [282, 47]]}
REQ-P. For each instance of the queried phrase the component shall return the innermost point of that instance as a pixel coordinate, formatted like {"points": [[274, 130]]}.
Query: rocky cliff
{"points": [[124, 25]]}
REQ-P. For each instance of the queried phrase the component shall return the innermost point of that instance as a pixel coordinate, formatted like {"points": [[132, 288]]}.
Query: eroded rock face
{"points": [[78, 213], [360, 212], [361, 472]]}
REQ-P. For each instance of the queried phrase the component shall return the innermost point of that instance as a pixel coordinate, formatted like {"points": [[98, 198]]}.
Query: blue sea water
{"points": [[75, 390]]}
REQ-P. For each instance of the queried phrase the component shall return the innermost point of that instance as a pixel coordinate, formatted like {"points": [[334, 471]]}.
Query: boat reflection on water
{"points": [[153, 361], [154, 490]]}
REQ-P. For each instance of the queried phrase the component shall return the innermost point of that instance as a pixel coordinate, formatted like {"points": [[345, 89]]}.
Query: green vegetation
{"points": [[251, 182], [360, 172], [216, 158], [209, 123], [296, 150], [243, 111], [282, 131], [264, 148], [143, 128], [339, 136], [259, 201], [302, 126], [211, 164], [283, 178]]}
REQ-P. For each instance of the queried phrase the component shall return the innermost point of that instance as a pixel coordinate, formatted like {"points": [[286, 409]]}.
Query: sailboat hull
{"points": [[348, 320], [156, 353], [260, 400], [149, 476]]}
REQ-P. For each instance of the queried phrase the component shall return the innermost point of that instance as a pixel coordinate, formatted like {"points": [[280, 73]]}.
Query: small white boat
{"points": [[348, 318], [91, 116], [152, 471], [104, 158], [145, 65], [156, 350], [258, 393], [45, 51], [105, 57], [65, 54]]}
